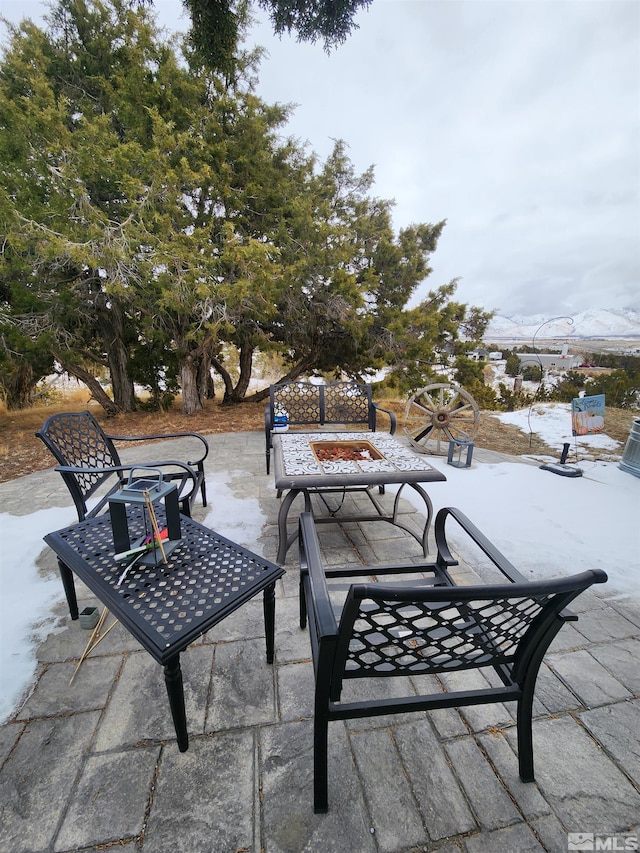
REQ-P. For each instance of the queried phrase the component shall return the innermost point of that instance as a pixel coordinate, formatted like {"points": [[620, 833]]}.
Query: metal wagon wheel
{"points": [[438, 414]]}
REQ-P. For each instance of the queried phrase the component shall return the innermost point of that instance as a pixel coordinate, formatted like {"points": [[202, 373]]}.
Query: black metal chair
{"points": [[89, 462], [427, 626]]}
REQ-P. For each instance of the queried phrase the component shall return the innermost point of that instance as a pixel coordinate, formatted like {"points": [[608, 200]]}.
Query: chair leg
{"points": [[525, 736], [320, 773], [303, 606], [203, 488]]}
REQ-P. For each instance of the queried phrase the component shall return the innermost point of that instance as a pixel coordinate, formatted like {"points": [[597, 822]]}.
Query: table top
{"points": [[166, 607], [296, 466]]}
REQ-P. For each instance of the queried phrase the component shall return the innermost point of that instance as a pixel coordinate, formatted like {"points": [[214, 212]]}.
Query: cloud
{"points": [[516, 121]]}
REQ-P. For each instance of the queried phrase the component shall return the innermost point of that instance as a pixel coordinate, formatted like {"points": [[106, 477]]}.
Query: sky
{"points": [[589, 522], [517, 121]]}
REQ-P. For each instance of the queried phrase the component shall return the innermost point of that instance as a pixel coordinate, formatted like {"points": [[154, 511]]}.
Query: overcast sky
{"points": [[517, 121]]}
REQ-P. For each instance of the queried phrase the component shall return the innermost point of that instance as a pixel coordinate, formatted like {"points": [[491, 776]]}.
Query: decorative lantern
{"points": [[155, 544], [457, 448]]}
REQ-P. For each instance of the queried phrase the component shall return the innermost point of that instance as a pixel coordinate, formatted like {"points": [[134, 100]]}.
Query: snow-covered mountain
{"points": [[597, 323]]}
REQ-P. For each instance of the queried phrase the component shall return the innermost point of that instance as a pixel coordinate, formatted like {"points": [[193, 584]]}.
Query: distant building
{"points": [[549, 361], [478, 355]]}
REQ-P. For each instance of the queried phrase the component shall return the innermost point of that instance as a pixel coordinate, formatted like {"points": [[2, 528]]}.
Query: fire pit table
{"points": [[325, 462]]}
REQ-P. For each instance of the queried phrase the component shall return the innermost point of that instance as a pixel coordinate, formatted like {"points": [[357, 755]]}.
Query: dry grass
{"points": [[22, 453]]}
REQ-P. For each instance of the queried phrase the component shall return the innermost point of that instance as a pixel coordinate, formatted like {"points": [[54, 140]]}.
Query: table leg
{"points": [[269, 609], [175, 691], [69, 588], [429, 506], [284, 540]]}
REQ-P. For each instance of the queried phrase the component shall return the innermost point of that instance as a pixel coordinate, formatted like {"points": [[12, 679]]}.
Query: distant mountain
{"points": [[597, 323]]}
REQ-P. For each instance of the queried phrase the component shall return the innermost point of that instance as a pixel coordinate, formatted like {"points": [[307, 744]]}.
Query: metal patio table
{"points": [[168, 606], [297, 469]]}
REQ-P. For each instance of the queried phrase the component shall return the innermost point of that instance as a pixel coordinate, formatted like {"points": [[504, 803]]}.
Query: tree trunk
{"points": [[20, 386], [226, 379], [123, 390], [246, 366], [111, 323], [211, 388], [205, 383], [191, 400], [97, 392]]}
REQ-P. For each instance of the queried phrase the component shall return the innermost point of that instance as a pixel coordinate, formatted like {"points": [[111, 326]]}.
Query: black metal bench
{"points": [[427, 626], [307, 404], [90, 463]]}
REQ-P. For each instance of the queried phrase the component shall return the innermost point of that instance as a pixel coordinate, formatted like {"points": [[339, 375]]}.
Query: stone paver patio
{"points": [[95, 764]]}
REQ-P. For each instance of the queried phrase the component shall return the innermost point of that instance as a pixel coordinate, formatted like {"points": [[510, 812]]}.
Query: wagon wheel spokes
{"points": [[438, 414], [422, 433]]}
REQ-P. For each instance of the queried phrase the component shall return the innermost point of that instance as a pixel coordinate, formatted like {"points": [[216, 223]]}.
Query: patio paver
{"points": [[96, 763]]}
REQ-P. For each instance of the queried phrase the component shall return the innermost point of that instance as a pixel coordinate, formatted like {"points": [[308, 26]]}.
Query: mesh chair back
{"points": [[408, 631], [77, 440]]}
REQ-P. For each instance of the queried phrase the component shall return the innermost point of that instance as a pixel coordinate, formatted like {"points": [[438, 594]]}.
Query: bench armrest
{"points": [[497, 558], [392, 417], [186, 471]]}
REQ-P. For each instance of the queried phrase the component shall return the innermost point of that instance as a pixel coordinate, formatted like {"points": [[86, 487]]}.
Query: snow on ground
{"points": [[551, 422], [238, 518], [547, 525], [26, 597]]}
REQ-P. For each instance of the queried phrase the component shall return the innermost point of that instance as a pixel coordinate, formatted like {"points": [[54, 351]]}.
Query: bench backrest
{"points": [[336, 403], [76, 439]]}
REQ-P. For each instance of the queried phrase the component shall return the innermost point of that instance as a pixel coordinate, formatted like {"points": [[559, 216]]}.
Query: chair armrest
{"points": [[169, 435], [496, 557], [311, 569], [392, 417], [117, 469]]}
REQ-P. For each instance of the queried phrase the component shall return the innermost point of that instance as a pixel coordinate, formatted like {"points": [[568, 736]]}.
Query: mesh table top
{"points": [[166, 607]]}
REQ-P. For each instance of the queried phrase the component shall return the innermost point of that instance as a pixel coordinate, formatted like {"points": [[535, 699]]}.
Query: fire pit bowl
{"points": [[344, 451]]}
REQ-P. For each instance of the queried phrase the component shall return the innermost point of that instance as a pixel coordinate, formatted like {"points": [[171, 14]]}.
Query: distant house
{"points": [[549, 360], [478, 355], [483, 355]]}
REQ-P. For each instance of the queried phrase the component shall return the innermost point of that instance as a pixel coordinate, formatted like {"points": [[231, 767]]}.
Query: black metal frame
{"points": [[335, 403], [88, 460], [323, 483], [429, 626], [167, 607]]}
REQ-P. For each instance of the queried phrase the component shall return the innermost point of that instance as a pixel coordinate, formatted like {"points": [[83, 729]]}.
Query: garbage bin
{"points": [[631, 457]]}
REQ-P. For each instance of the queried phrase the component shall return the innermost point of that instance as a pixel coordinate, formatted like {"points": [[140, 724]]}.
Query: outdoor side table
{"points": [[298, 470], [168, 606]]}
